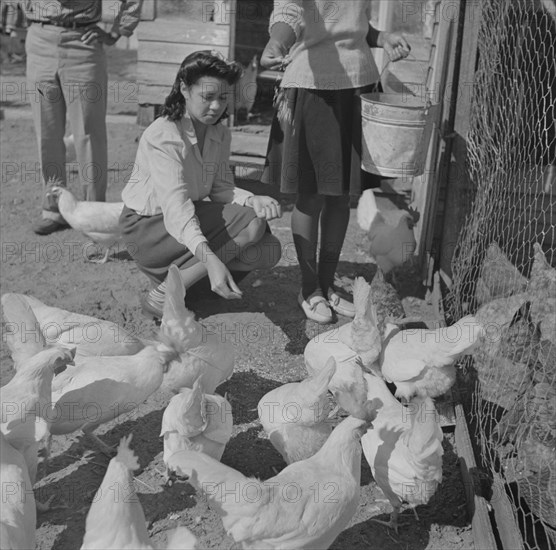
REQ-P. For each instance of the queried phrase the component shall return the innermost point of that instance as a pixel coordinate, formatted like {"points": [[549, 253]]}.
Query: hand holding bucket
{"points": [[396, 130]]}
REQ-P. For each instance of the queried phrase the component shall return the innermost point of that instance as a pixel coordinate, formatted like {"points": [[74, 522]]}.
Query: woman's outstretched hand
{"points": [[221, 280], [265, 207]]}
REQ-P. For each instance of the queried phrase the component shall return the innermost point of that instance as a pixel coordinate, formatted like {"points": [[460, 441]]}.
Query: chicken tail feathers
{"points": [[367, 210], [318, 384], [424, 439], [22, 330], [464, 335], [179, 330]]}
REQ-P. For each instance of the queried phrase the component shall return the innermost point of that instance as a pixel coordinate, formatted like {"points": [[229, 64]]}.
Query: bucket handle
{"points": [[428, 104]]}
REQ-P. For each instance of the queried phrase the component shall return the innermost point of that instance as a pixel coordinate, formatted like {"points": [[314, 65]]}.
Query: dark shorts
{"points": [[315, 143], [154, 249]]}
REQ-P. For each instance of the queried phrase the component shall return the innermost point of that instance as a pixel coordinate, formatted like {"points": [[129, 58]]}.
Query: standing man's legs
{"points": [[84, 77], [49, 113]]}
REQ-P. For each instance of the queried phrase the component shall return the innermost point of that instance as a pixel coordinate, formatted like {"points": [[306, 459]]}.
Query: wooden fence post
{"points": [[458, 185]]}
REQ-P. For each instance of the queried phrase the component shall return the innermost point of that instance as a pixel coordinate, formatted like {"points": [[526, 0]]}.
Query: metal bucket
{"points": [[396, 131]]}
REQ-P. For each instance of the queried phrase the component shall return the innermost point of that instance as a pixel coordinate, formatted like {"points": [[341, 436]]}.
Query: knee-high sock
{"points": [[305, 231], [334, 222]]}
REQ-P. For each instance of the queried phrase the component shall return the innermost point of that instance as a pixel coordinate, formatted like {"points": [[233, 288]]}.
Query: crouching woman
{"points": [[181, 205]]}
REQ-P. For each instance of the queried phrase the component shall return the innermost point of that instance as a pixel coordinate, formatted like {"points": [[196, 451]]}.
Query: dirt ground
{"points": [[267, 328]]}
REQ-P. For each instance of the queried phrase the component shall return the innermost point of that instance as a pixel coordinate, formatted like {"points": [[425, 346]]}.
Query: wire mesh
{"points": [[503, 267]]}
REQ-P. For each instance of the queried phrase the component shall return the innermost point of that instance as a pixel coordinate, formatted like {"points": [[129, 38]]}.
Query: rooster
{"points": [[421, 361], [295, 415], [404, 448], [285, 511], [390, 232], [99, 221], [18, 515], [358, 338], [116, 520], [193, 418]]}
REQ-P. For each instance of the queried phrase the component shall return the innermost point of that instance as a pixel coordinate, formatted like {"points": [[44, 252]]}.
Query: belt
{"points": [[66, 24]]}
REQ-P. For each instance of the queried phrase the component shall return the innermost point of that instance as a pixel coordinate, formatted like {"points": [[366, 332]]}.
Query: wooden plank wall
{"points": [[164, 43], [170, 31]]}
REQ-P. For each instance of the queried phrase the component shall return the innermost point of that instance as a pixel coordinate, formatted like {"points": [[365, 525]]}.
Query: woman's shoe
{"points": [[340, 305], [316, 307], [151, 308]]}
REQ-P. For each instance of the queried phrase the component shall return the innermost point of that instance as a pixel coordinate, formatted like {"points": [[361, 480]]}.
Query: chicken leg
{"points": [[46, 507], [92, 259], [393, 523], [96, 441]]}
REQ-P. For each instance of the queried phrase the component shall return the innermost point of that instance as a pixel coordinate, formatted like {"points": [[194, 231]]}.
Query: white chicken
{"points": [[97, 220], [404, 448], [205, 353], [18, 515], [421, 361], [358, 338], [22, 330], [116, 520], [193, 418], [390, 232], [90, 336], [101, 388], [26, 403], [306, 505], [295, 415]]}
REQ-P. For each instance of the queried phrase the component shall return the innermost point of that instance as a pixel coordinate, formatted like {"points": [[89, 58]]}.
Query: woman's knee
{"points": [[255, 231], [272, 250]]}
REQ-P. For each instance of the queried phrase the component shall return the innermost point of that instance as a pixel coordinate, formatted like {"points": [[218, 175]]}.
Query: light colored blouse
{"points": [[331, 51], [170, 172]]}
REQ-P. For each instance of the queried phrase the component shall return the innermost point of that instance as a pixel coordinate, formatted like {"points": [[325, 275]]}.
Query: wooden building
{"points": [[172, 29]]}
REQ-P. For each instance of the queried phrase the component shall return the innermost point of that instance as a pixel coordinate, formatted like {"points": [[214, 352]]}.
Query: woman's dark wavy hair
{"points": [[193, 67]]}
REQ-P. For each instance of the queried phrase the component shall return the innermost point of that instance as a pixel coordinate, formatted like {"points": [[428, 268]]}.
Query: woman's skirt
{"points": [[154, 249], [315, 142]]}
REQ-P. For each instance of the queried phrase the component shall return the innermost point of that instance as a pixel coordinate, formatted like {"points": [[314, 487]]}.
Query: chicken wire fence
{"points": [[503, 267]]}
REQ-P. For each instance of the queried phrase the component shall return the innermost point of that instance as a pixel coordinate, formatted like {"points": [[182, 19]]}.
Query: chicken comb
{"points": [[368, 410], [54, 181], [125, 455]]}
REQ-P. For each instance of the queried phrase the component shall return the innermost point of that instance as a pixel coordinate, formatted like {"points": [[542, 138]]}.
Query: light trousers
{"points": [[67, 78]]}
